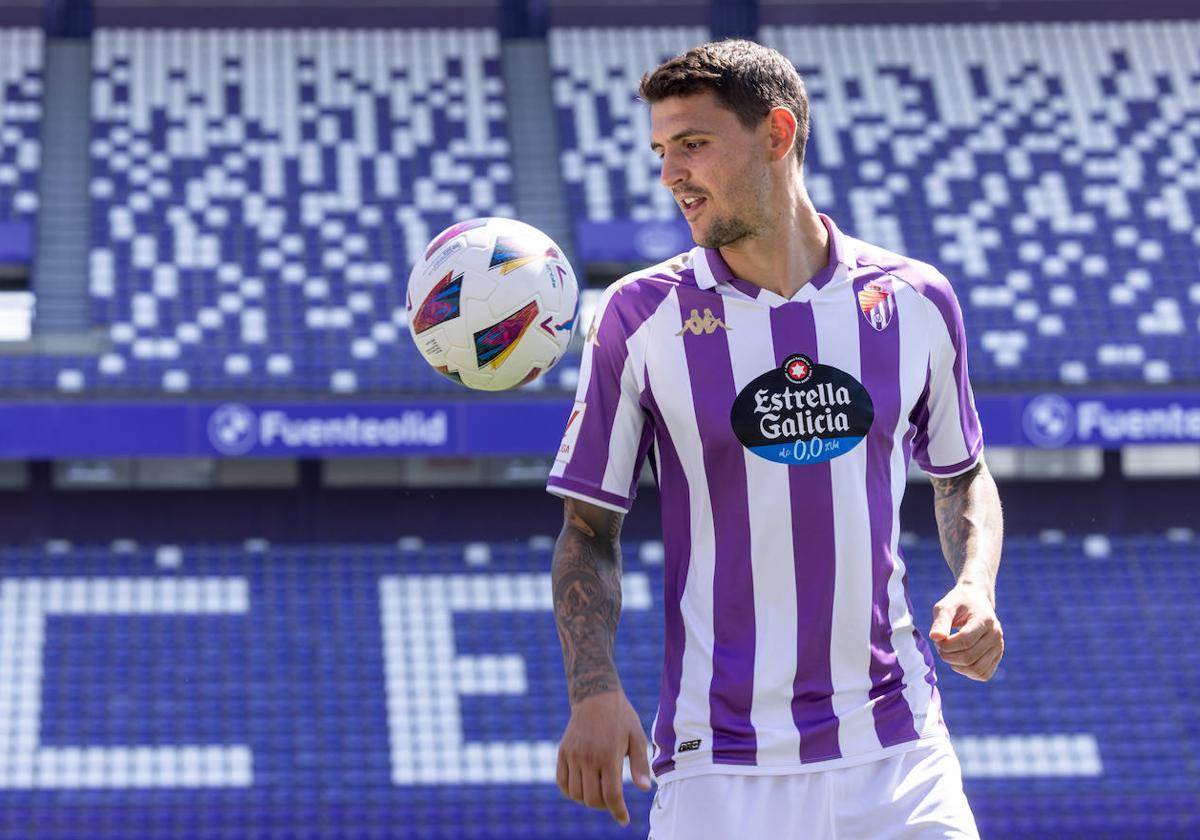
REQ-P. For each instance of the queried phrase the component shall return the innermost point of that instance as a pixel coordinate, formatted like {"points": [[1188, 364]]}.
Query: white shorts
{"points": [[916, 795]]}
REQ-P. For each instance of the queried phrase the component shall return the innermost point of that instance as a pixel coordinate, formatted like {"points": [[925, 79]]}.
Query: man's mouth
{"points": [[691, 204]]}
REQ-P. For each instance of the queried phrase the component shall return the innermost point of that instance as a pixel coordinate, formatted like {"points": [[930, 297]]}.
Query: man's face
{"points": [[713, 165]]}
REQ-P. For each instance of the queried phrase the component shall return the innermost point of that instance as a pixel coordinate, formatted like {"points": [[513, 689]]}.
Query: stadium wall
{"points": [[629, 13], [312, 512], [275, 14], [968, 11], [22, 12]]}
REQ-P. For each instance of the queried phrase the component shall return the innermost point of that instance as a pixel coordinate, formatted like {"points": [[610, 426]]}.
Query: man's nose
{"points": [[671, 171]]}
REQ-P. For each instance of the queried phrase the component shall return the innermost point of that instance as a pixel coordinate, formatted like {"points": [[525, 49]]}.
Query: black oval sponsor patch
{"points": [[802, 413]]}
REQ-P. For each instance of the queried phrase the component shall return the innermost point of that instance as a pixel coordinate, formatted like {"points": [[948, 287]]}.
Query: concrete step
{"points": [[538, 190], [60, 272]]}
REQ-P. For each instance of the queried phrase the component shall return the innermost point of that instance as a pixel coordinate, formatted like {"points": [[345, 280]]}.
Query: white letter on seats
{"points": [[425, 679], [25, 763]]}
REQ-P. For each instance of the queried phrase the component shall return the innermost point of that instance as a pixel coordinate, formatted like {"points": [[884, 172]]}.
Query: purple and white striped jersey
{"points": [[780, 433]]}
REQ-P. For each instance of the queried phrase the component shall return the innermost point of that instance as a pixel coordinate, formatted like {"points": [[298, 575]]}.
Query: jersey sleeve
{"points": [[607, 434], [949, 439]]}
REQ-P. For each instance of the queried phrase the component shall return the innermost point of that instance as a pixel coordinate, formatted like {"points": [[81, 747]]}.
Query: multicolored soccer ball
{"points": [[492, 303]]}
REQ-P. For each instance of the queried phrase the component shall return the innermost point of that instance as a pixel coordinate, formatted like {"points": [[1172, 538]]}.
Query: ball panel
{"points": [[451, 232], [441, 304], [494, 344]]}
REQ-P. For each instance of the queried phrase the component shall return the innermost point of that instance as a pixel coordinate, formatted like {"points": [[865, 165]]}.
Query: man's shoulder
{"points": [[670, 272], [648, 286], [630, 302], [923, 278]]}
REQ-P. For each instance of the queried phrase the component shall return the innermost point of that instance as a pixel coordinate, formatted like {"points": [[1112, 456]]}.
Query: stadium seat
{"points": [[254, 220], [1048, 169], [258, 197], [258, 684], [607, 167], [20, 123]]}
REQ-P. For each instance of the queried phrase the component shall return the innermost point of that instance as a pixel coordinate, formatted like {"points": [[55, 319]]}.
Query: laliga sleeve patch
{"points": [[574, 423], [802, 413]]}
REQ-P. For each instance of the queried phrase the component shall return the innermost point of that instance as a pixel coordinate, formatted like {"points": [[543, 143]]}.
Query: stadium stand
{"points": [[247, 690], [258, 195], [603, 126], [1071, 147], [20, 123], [267, 252]]}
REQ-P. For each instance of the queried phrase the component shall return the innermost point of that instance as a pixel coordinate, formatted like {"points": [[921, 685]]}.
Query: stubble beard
{"points": [[725, 231], [729, 230]]}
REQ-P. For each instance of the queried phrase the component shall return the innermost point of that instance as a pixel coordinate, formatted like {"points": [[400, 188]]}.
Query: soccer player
{"points": [[779, 376]]}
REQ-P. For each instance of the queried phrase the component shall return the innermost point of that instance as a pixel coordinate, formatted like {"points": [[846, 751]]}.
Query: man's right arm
{"points": [[586, 575], [604, 728]]}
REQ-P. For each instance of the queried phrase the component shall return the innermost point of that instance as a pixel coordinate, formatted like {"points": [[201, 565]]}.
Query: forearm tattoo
{"points": [[586, 576], [970, 524]]}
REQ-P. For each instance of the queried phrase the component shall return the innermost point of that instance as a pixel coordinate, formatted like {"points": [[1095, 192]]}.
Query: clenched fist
{"points": [[975, 650]]}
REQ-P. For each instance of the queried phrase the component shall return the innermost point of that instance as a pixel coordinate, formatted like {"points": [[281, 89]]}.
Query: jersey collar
{"points": [[712, 269]]}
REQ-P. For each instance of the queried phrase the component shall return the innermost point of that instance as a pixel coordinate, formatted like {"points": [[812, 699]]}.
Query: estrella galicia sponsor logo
{"points": [[802, 413], [1049, 421], [233, 429]]}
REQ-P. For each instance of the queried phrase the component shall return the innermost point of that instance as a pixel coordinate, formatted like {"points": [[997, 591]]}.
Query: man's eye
{"points": [[694, 144]]}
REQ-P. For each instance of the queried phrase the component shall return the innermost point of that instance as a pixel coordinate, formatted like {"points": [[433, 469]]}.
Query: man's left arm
{"points": [[971, 527]]}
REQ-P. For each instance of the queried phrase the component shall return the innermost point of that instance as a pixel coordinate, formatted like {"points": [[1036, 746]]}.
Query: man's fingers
{"points": [[992, 662], [575, 784], [593, 796], [968, 657], [943, 618], [614, 796], [966, 638], [978, 654], [562, 775], [639, 764], [983, 668]]}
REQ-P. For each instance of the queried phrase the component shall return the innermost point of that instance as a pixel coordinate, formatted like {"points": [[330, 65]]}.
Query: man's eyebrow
{"points": [[679, 135]]}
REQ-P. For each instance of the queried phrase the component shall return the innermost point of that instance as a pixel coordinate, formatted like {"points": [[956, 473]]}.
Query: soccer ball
{"points": [[492, 303]]}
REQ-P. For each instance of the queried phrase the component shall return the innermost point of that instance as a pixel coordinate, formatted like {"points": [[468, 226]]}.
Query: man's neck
{"points": [[785, 255]]}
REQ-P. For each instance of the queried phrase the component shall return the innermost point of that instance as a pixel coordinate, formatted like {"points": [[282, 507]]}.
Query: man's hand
{"points": [[975, 650], [603, 730]]}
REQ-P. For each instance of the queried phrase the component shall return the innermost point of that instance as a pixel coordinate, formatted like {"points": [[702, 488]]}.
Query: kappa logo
{"points": [[698, 325]]}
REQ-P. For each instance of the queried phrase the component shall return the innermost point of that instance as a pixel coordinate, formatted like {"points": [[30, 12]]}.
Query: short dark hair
{"points": [[748, 78]]}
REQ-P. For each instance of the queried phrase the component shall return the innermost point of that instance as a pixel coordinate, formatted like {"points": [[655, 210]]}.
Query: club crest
{"points": [[877, 300]]}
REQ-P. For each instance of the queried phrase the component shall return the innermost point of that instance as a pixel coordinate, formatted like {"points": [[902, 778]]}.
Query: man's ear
{"points": [[781, 130]]}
